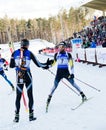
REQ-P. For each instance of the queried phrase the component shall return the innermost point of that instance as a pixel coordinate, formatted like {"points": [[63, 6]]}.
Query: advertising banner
{"points": [[76, 44], [101, 55], [90, 54]]}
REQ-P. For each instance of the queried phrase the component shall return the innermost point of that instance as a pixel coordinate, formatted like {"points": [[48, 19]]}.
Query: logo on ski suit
{"points": [[62, 60]]}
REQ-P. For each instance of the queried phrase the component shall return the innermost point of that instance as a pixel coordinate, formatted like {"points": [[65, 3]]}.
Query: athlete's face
{"points": [[27, 46], [61, 48]]}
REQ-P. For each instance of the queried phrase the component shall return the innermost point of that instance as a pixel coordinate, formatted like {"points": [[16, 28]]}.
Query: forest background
{"points": [[54, 29]]}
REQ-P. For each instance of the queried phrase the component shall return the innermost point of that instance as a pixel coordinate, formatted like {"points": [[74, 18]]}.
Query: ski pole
{"points": [[65, 83], [87, 84], [25, 104]]}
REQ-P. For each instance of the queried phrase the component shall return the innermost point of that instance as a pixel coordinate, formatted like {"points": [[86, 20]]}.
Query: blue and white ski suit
{"points": [[2, 73], [64, 61], [15, 62]]}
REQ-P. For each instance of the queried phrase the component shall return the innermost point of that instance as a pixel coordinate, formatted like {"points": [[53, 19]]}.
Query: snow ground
{"points": [[90, 116]]}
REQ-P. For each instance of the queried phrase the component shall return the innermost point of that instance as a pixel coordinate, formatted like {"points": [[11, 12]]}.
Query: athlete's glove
{"points": [[5, 67], [49, 62], [12, 63], [46, 67], [72, 76]]}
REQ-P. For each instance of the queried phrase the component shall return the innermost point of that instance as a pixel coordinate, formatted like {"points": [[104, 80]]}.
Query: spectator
{"points": [[104, 43], [93, 44]]}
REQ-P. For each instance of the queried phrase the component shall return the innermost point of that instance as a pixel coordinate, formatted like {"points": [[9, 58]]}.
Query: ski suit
{"points": [[64, 61], [27, 77], [2, 73]]}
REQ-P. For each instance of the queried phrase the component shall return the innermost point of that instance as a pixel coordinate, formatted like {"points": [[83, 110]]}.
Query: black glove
{"points": [[6, 69], [46, 67], [72, 76], [12, 63], [5, 65], [49, 62]]}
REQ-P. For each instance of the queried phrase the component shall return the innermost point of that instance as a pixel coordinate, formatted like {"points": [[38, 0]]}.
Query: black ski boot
{"points": [[31, 116], [84, 98], [16, 119]]}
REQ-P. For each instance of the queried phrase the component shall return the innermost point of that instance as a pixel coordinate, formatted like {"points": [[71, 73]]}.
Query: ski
{"points": [[76, 107], [10, 43]]}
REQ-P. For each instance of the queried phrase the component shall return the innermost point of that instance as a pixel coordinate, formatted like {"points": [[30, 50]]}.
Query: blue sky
{"points": [[34, 8]]}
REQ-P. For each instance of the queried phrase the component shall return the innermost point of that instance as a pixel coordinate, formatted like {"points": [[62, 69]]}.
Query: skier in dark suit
{"points": [[20, 59]]}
